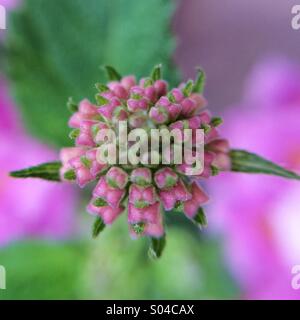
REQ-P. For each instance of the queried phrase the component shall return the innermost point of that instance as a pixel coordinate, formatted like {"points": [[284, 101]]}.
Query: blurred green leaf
{"points": [[244, 161], [42, 270], [55, 49], [190, 268]]}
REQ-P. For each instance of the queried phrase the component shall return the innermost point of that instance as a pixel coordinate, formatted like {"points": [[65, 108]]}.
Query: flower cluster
{"points": [[144, 190]]}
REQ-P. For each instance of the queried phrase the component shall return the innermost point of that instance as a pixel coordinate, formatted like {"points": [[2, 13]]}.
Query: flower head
{"points": [[148, 186]]}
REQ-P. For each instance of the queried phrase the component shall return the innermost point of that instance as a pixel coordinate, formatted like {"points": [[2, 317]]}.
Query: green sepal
{"points": [[140, 204], [214, 170], [148, 82], [157, 247], [72, 106], [70, 175], [188, 88], [101, 87], [74, 134], [98, 227], [171, 97], [99, 202], [112, 183], [138, 228], [156, 72], [112, 74], [200, 218], [215, 122], [199, 82], [86, 162], [206, 128], [101, 101]]}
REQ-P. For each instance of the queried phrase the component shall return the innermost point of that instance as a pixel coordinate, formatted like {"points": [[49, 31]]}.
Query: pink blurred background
{"points": [[251, 55]]}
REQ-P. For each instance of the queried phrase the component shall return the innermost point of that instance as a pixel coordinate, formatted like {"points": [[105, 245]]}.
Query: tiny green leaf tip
{"points": [[112, 74], [200, 81], [72, 106], [188, 88], [200, 218], [156, 73], [98, 227], [157, 247]]}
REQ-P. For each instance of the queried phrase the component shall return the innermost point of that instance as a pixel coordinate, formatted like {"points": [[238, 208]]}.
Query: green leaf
{"points": [[200, 218], [46, 171], [157, 247], [43, 270], [156, 72], [74, 134], [244, 161], [216, 121], [187, 90], [54, 49], [71, 105], [200, 82], [112, 73], [98, 227]]}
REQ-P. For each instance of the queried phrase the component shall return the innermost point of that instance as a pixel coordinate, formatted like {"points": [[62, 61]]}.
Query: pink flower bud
{"points": [[66, 154], [178, 193], [112, 196], [128, 82], [120, 114], [172, 109], [159, 115], [137, 120], [117, 178], [211, 135], [82, 170], [220, 148], [189, 107], [220, 145], [118, 90], [141, 176], [107, 213], [209, 157], [87, 108], [137, 104], [85, 137], [199, 99], [136, 91], [142, 197], [161, 87], [164, 102], [178, 95], [107, 110], [194, 122], [150, 218], [150, 93], [199, 198], [165, 178], [205, 117], [96, 167]]}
